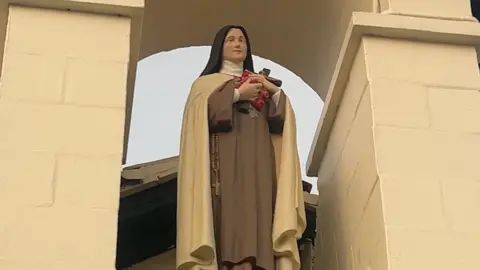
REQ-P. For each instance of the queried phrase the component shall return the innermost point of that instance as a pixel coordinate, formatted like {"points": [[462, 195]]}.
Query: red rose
{"points": [[259, 102]]}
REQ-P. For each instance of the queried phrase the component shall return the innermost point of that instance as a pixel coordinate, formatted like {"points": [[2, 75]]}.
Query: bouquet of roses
{"points": [[259, 102]]}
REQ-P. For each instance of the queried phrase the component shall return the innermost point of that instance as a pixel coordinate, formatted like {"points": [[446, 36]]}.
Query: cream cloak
{"points": [[195, 246]]}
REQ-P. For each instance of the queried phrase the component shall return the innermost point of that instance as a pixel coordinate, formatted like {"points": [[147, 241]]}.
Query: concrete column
{"points": [[62, 113], [397, 148]]}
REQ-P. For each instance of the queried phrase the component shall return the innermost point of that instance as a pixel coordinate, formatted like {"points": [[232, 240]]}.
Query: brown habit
{"points": [[255, 170]]}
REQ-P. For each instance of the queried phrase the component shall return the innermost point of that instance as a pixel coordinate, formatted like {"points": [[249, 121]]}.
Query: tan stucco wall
{"points": [[62, 109]]}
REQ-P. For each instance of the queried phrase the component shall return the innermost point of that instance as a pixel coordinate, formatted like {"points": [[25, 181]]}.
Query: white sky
{"points": [[162, 85]]}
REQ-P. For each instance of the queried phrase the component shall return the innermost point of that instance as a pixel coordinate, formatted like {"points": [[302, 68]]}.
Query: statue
{"points": [[240, 196]]}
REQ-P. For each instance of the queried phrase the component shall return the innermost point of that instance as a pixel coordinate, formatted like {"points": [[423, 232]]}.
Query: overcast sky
{"points": [[162, 85]]}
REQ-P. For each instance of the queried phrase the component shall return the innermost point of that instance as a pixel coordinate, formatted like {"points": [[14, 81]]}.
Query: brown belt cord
{"points": [[214, 163], [215, 183]]}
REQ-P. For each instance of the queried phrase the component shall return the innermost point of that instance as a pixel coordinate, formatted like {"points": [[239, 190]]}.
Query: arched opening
{"points": [[161, 88], [284, 32], [163, 80]]}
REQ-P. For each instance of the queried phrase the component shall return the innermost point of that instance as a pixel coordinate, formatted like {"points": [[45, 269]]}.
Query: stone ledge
{"points": [[127, 8], [386, 26]]}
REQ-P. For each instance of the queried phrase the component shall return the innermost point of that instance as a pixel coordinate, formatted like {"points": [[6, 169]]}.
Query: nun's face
{"points": [[235, 46]]}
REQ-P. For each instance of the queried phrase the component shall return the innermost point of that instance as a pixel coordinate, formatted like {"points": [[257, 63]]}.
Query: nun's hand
{"points": [[249, 90], [271, 88]]}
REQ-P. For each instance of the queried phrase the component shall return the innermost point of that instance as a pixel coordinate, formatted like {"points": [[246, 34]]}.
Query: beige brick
{"points": [[399, 104], [465, 249], [455, 110], [32, 77], [356, 144], [325, 252], [342, 253], [462, 203], [51, 236], [328, 257], [26, 264], [349, 263], [357, 77], [319, 240], [413, 203], [95, 82], [32, 30], [356, 172], [354, 90], [357, 196], [369, 245], [458, 9], [88, 182], [322, 250], [60, 128], [426, 154], [70, 232], [346, 147], [456, 250], [26, 178], [419, 62], [421, 249]]}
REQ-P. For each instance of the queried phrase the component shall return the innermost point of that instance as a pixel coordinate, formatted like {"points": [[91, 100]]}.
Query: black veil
{"points": [[215, 61]]}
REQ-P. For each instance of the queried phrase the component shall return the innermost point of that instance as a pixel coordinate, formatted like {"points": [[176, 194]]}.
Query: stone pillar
{"points": [[426, 131], [398, 147], [62, 111]]}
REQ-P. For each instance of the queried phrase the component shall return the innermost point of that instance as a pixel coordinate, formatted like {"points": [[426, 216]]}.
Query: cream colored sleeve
{"points": [[236, 95], [276, 97]]}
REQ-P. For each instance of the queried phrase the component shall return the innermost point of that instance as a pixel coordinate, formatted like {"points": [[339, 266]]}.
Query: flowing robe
{"points": [[243, 179], [258, 211]]}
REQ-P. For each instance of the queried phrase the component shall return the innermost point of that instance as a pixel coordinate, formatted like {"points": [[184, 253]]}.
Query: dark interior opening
{"points": [[475, 4]]}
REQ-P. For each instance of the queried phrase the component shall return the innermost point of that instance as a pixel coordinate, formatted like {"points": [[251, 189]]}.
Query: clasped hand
{"points": [[250, 90]]}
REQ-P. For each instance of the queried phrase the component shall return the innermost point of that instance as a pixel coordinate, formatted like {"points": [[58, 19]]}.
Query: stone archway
{"points": [[284, 32], [305, 39]]}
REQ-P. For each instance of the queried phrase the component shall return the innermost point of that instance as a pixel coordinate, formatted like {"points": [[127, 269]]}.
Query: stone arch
{"points": [[283, 31], [305, 38], [156, 121]]}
